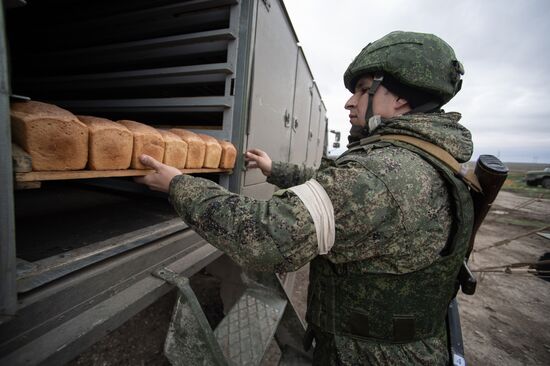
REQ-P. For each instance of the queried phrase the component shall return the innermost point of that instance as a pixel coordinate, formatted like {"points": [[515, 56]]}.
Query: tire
{"points": [[546, 182]]}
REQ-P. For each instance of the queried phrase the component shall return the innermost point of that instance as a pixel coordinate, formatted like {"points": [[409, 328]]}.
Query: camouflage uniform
{"points": [[393, 214]]}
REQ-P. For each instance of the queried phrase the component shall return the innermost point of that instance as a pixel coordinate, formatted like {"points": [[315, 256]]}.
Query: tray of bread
{"points": [[51, 143]]}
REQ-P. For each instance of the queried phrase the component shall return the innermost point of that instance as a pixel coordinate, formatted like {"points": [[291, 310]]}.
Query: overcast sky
{"points": [[504, 46]]}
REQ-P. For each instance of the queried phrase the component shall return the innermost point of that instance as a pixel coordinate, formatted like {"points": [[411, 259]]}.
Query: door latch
{"points": [[286, 118]]}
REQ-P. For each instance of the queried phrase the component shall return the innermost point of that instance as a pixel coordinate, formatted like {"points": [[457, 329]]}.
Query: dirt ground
{"points": [[506, 322]]}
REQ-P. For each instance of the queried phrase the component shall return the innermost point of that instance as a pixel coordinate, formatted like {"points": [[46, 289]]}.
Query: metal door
{"points": [[322, 138], [273, 75], [8, 297], [301, 111], [314, 143]]}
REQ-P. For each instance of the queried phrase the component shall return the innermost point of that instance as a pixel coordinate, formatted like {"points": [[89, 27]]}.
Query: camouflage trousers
{"points": [[333, 350]]}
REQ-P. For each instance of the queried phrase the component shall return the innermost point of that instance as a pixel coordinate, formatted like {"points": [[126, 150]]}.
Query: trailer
{"points": [[77, 252]]}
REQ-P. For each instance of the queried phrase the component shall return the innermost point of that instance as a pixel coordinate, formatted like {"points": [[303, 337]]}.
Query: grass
{"points": [[515, 183]]}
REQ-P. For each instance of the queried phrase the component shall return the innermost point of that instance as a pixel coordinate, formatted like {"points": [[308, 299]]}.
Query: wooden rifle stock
{"points": [[491, 173]]}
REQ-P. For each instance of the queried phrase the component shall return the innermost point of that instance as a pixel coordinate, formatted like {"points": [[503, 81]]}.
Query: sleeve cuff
{"points": [[278, 169], [176, 181]]}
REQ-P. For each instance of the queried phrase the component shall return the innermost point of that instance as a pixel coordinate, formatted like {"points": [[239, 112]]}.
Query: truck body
{"points": [[538, 177], [77, 255]]}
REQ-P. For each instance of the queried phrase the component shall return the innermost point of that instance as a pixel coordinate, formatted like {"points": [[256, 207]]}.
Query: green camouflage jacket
{"points": [[394, 217]]}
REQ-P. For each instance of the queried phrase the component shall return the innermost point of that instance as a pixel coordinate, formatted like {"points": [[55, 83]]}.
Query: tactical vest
{"points": [[387, 307]]}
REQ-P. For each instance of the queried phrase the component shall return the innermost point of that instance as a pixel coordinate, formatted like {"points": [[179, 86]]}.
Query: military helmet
{"points": [[417, 60]]}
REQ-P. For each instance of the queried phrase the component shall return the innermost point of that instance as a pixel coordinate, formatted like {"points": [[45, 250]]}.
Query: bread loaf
{"points": [[109, 144], [175, 149], [213, 151], [147, 140], [229, 155], [52, 136], [196, 148]]}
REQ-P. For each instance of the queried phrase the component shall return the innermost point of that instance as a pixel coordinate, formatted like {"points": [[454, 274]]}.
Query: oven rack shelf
{"points": [[39, 176]]}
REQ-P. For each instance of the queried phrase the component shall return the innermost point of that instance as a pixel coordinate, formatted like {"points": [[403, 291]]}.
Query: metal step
{"points": [[245, 333], [241, 338]]}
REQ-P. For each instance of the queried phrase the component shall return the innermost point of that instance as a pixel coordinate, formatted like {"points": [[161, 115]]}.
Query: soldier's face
{"points": [[384, 102]]}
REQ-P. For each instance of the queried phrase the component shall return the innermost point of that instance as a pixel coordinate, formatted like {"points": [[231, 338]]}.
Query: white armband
{"points": [[318, 203]]}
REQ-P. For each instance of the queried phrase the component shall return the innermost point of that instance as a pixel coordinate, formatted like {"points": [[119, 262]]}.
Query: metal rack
{"points": [[87, 174], [159, 65], [162, 62], [208, 65]]}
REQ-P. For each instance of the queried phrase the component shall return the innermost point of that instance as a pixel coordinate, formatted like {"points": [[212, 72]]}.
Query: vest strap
{"points": [[461, 170]]}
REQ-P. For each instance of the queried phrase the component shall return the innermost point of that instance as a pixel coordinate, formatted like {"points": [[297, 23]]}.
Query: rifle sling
{"points": [[467, 175]]}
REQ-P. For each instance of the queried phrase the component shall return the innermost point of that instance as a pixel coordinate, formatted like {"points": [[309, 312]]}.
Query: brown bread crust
{"points": [[175, 149], [147, 140], [53, 137], [229, 155], [196, 148], [213, 152], [110, 144]]}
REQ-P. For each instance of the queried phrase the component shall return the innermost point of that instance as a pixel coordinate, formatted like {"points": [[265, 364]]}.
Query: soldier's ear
{"points": [[401, 105], [400, 102]]}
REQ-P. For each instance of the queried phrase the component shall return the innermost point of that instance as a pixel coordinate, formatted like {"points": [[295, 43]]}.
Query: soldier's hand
{"points": [[257, 158], [161, 178]]}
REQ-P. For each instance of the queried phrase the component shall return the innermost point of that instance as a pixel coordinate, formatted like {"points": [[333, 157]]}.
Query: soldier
{"points": [[385, 226]]}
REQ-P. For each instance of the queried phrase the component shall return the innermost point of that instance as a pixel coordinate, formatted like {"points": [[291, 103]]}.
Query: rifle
{"points": [[491, 174]]}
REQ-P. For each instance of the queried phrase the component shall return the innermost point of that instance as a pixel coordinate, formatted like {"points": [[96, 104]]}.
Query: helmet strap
{"points": [[358, 132], [377, 80]]}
